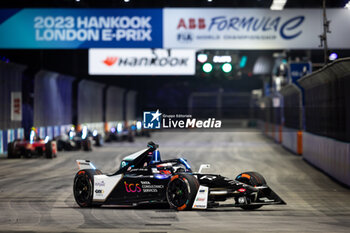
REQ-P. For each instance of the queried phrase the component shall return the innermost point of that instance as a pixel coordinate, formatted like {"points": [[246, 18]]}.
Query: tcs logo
{"points": [[191, 23], [132, 187]]}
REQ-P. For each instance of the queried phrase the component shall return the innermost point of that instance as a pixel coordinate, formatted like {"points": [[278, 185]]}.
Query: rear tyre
{"points": [[99, 140], [253, 179], [83, 187], [28, 154], [11, 153], [49, 150], [181, 191], [131, 137], [60, 145], [86, 144]]}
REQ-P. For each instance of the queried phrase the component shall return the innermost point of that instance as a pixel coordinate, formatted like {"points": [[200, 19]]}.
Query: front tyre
{"points": [[83, 187], [253, 179], [181, 191]]}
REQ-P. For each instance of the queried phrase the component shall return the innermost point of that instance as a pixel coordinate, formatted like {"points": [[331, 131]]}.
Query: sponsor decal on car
{"points": [[147, 187], [99, 192], [133, 188], [100, 184]]}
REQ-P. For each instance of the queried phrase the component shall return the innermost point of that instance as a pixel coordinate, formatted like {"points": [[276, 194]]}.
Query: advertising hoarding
{"points": [[220, 28], [81, 28], [16, 106], [141, 62]]}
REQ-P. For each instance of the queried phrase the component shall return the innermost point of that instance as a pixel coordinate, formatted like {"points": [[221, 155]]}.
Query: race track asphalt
{"points": [[36, 194]]}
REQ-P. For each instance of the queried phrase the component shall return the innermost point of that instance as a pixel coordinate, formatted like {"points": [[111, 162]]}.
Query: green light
{"points": [[207, 67], [243, 61], [227, 67]]}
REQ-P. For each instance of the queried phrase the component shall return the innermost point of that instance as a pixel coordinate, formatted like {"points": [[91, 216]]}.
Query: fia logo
{"points": [[184, 37], [151, 120]]}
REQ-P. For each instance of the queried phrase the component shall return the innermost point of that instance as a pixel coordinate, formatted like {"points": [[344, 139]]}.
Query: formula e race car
{"points": [[144, 178], [35, 146], [121, 132], [76, 140]]}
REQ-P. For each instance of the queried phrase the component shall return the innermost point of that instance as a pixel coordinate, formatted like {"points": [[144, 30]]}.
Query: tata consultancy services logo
{"points": [[151, 120]]}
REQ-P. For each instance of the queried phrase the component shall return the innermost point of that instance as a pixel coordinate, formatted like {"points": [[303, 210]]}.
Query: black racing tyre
{"points": [[98, 140], [86, 144], [50, 151], [131, 138], [60, 145], [83, 187], [11, 153], [181, 191], [28, 154], [253, 179]]}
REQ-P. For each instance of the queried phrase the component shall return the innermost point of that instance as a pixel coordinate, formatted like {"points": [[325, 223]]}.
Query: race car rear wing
{"points": [[85, 164]]}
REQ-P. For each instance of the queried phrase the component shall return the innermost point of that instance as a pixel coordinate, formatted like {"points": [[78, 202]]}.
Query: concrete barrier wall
{"points": [[99, 126], [53, 131], [291, 140], [329, 155]]}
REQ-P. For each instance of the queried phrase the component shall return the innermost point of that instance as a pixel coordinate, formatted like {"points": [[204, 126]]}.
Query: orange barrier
{"points": [[106, 127], [280, 133], [300, 142]]}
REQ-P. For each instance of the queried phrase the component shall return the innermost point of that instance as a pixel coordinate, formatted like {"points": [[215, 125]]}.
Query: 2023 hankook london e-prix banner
{"points": [[195, 28]]}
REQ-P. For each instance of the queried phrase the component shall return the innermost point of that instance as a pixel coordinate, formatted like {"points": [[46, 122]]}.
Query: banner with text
{"points": [[253, 28], [141, 62], [80, 28]]}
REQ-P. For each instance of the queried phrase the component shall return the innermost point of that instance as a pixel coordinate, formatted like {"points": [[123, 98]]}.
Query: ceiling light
{"points": [[278, 5]]}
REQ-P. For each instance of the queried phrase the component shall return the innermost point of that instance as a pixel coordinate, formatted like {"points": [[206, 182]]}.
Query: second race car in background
{"points": [[35, 146], [76, 140]]}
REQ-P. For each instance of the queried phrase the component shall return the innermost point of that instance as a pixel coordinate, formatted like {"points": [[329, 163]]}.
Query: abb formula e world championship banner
{"points": [[80, 28], [253, 28], [141, 62]]}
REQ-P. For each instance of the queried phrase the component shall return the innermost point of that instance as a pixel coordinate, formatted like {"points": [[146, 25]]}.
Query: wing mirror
{"points": [[203, 166]]}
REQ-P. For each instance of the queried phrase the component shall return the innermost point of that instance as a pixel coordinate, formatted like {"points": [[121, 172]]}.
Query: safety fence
{"points": [[317, 129]]}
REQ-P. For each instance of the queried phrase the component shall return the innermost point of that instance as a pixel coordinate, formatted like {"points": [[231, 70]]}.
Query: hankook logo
{"points": [[142, 61], [146, 61]]}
